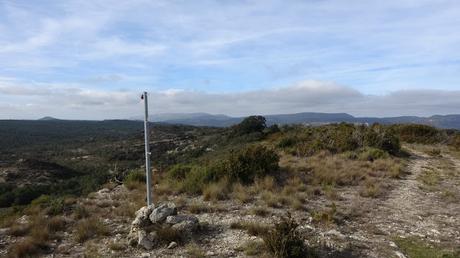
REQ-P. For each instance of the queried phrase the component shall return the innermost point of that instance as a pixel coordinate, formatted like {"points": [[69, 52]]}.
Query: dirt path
{"points": [[414, 210]]}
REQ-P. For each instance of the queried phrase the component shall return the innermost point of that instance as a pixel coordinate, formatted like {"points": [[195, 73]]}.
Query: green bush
{"points": [[416, 133], [372, 154], [135, 176], [52, 205], [179, 171], [249, 163], [284, 240], [196, 180]]}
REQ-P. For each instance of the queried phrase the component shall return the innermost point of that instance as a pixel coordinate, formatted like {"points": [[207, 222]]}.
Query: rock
{"points": [[186, 227], [103, 191], [335, 233], [142, 216], [175, 219], [172, 245], [63, 248], [144, 241], [145, 255], [164, 210]]}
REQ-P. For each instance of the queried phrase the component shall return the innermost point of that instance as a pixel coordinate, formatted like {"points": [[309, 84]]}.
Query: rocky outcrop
{"points": [[150, 219]]}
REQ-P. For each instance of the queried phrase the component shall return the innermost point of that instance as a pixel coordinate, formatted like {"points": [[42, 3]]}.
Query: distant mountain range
{"points": [[204, 119]]}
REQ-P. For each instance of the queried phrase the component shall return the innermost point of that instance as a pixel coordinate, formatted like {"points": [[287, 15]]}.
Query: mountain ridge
{"points": [[450, 121]]}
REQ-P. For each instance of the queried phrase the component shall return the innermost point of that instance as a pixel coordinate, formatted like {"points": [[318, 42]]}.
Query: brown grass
{"points": [[241, 193], [260, 211], [29, 247], [216, 191], [18, 230], [89, 228], [252, 228]]}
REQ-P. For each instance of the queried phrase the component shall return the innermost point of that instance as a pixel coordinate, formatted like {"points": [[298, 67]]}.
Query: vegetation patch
{"points": [[413, 247]]}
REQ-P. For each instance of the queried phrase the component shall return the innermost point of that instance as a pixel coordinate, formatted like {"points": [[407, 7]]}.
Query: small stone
{"points": [[172, 245], [210, 253], [164, 210], [145, 255], [335, 233]]}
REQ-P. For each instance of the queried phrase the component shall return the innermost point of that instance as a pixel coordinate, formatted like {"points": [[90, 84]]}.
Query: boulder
{"points": [[164, 210], [142, 216]]}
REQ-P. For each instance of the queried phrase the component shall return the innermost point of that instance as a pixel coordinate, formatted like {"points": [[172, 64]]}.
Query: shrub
{"points": [[416, 133], [251, 162], [134, 179], [371, 154], [198, 178], [135, 176], [179, 171], [284, 240]]}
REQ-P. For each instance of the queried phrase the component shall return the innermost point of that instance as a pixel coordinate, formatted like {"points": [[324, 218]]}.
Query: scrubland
{"points": [[338, 190]]}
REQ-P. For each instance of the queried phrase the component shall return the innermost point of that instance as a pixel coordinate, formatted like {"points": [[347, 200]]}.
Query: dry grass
{"points": [[198, 207], [194, 251], [265, 184], [252, 228], [216, 191], [253, 248], [29, 247], [241, 193], [117, 246], [325, 217], [260, 211], [18, 230], [39, 232], [89, 228], [371, 189], [168, 234]]}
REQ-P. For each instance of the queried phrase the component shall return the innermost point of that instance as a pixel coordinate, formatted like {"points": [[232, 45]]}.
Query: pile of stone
{"points": [[150, 218]]}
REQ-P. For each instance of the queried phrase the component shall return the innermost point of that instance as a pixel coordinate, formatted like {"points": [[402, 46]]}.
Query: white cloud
{"points": [[74, 101]]}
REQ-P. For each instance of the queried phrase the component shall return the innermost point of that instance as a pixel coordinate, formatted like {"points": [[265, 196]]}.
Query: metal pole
{"points": [[147, 151]]}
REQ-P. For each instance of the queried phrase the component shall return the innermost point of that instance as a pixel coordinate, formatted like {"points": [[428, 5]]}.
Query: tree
{"points": [[251, 124]]}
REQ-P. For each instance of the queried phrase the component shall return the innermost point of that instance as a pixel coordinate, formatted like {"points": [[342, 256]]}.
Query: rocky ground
{"points": [[423, 204]]}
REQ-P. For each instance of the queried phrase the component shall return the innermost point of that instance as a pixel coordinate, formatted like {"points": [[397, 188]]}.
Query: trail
{"points": [[412, 210]]}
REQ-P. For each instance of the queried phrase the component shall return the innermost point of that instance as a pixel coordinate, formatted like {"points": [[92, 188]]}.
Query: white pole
{"points": [[147, 151]]}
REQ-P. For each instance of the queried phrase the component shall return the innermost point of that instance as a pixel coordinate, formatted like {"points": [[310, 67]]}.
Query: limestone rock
{"points": [[142, 216], [172, 245], [164, 210]]}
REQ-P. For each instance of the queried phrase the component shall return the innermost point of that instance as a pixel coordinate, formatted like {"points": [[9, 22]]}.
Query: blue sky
{"points": [[91, 59]]}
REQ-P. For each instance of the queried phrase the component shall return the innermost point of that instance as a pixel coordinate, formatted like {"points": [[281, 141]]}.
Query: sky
{"points": [[93, 59]]}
